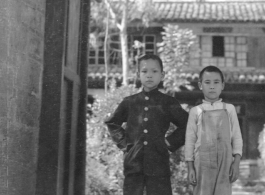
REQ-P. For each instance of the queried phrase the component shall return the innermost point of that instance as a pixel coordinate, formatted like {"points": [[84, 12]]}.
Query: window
{"points": [[148, 47], [96, 56], [224, 51], [241, 51], [218, 46], [114, 50]]}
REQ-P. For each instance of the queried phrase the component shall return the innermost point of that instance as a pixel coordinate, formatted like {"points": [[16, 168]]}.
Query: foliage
{"points": [[180, 185], [105, 160], [143, 11], [120, 16], [261, 148], [175, 50]]}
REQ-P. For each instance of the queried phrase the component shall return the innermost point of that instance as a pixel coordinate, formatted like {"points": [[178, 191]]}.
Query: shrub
{"points": [[261, 148], [104, 159], [176, 51]]}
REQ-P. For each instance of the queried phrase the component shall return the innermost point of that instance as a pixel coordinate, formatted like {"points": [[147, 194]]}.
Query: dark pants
{"points": [[136, 183]]}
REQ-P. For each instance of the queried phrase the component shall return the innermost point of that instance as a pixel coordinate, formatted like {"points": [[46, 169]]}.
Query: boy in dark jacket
{"points": [[148, 115]]}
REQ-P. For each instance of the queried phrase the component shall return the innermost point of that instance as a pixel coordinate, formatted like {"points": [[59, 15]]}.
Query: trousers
{"points": [[136, 184]]}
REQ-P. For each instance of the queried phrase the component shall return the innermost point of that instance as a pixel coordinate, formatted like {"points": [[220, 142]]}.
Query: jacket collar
{"points": [[150, 93], [207, 102]]}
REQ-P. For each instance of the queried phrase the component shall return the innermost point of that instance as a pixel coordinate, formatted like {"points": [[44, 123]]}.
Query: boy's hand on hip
{"points": [[167, 143]]}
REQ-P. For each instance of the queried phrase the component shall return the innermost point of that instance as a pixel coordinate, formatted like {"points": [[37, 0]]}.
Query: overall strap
{"points": [[200, 114], [224, 105], [202, 107]]}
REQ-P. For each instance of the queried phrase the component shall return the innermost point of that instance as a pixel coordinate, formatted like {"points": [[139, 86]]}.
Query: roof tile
{"points": [[211, 11]]}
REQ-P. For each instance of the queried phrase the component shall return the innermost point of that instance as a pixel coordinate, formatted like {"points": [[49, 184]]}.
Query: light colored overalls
{"points": [[215, 154]]}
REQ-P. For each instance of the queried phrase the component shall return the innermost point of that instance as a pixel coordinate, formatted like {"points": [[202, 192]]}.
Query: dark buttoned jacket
{"points": [[147, 116]]}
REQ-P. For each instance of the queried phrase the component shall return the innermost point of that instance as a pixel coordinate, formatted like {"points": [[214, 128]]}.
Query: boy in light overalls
{"points": [[213, 144]]}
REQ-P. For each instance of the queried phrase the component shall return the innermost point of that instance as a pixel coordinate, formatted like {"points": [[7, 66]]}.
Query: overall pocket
{"points": [[208, 156]]}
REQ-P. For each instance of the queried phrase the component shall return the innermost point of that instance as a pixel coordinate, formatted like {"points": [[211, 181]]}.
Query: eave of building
{"points": [[176, 21], [188, 24]]}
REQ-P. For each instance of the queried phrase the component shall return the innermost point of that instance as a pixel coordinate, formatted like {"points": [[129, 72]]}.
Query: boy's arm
{"points": [[179, 117], [234, 170], [237, 158], [237, 145], [191, 173], [114, 124], [190, 140], [191, 135], [237, 142]]}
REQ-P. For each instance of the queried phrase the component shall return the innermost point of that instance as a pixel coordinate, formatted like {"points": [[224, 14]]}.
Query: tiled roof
{"points": [[229, 11], [97, 74]]}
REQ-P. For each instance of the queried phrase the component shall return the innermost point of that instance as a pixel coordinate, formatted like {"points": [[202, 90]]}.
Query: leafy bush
{"points": [[175, 50], [261, 148], [105, 160]]}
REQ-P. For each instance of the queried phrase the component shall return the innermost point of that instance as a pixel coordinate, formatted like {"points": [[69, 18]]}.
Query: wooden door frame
{"points": [[80, 168], [53, 71]]}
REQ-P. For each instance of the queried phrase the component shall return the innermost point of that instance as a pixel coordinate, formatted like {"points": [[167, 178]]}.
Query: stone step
{"points": [[242, 193]]}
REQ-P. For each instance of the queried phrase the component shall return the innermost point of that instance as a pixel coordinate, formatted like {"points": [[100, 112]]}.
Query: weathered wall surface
{"points": [[21, 59]]}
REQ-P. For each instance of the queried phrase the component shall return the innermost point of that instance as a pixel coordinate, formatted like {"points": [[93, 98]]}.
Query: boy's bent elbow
{"points": [[176, 141]]}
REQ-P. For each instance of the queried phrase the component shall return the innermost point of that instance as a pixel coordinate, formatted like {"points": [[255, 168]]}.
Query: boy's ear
{"points": [[223, 85], [163, 75], [200, 85], [138, 74]]}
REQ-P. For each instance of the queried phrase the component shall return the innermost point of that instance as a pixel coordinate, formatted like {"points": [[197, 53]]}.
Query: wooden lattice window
{"points": [[224, 51]]}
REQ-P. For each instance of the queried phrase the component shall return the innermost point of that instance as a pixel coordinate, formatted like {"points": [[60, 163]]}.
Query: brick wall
{"points": [[21, 59]]}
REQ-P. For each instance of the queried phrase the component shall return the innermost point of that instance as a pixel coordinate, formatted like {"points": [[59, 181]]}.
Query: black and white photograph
{"points": [[132, 97]]}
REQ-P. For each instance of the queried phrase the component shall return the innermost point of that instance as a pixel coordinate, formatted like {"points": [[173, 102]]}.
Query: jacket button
{"points": [[145, 131], [145, 142], [145, 119], [147, 98], [146, 108]]}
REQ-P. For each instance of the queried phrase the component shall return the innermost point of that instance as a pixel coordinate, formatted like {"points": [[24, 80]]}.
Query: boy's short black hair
{"points": [[211, 69], [148, 57]]}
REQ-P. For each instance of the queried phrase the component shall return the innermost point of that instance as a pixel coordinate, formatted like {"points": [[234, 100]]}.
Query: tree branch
{"points": [[124, 16], [113, 15]]}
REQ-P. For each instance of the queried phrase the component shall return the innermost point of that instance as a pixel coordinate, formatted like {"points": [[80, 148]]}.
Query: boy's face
{"points": [[150, 74], [211, 86]]}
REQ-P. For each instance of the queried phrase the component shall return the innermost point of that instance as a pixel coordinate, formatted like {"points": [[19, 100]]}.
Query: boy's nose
{"points": [[149, 75]]}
